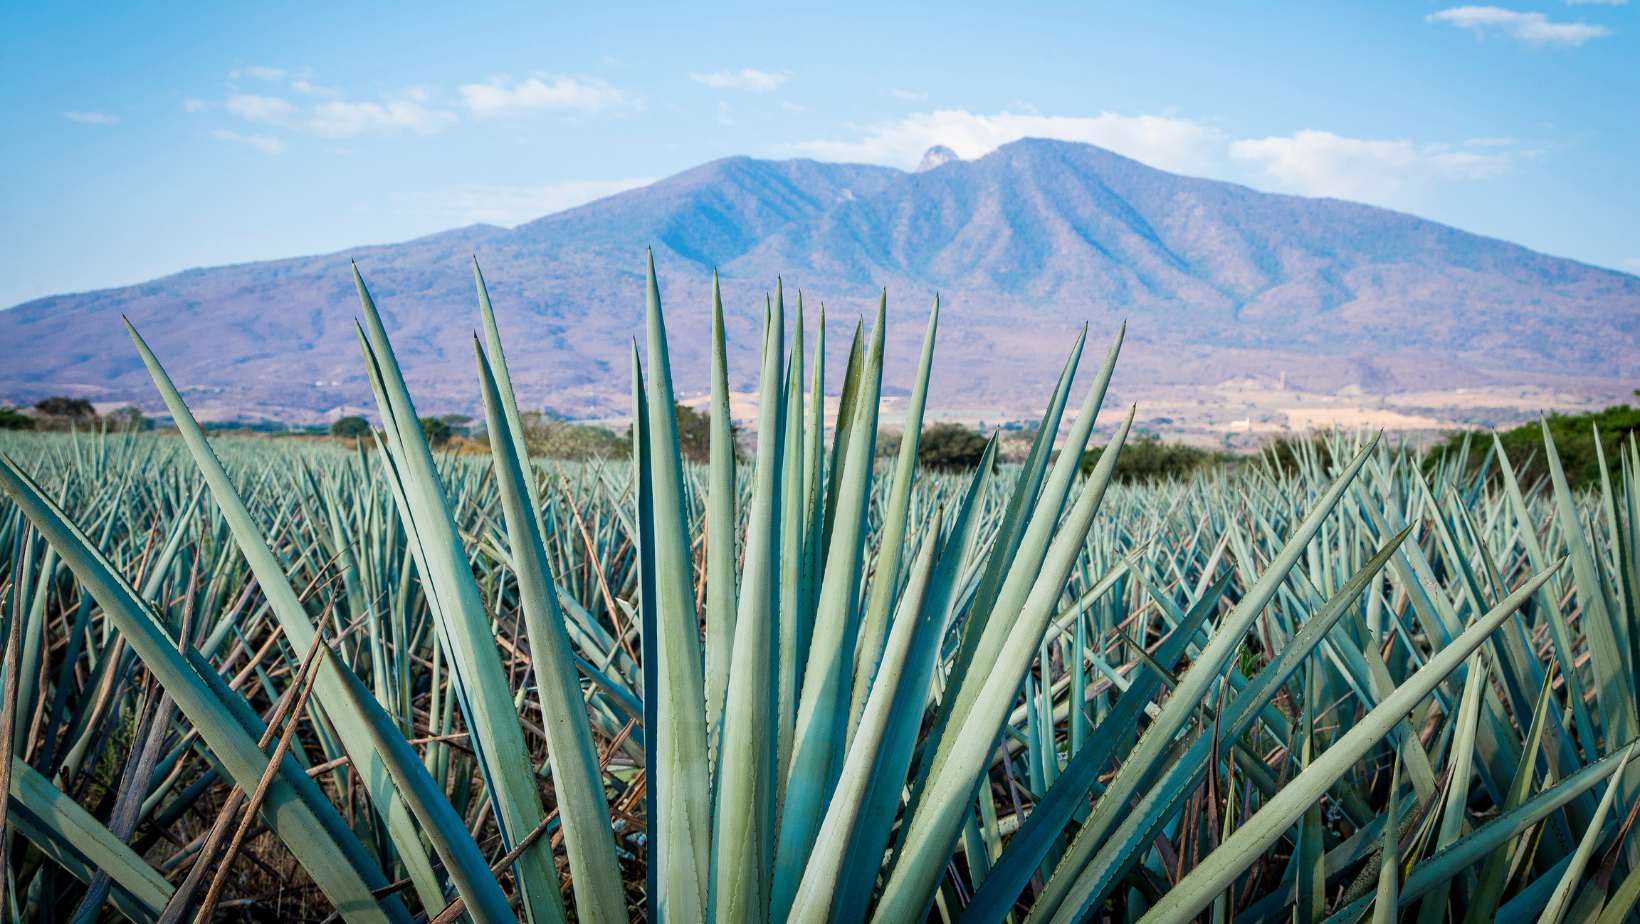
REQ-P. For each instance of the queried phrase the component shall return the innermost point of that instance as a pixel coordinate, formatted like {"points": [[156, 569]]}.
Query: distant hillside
{"points": [[1215, 281]]}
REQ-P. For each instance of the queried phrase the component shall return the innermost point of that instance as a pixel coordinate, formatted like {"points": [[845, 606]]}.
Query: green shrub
{"points": [[888, 443], [62, 406], [61, 414], [244, 427], [1574, 443], [130, 417], [694, 433], [552, 437], [436, 430], [1147, 458], [538, 429], [950, 447], [350, 428], [579, 442], [11, 420]]}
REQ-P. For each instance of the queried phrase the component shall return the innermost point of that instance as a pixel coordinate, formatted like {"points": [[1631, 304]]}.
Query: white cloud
{"points": [[1319, 163], [1530, 28], [270, 74], [414, 110], [503, 96], [310, 89], [1169, 143], [344, 120], [267, 144], [93, 118], [512, 205], [300, 83], [790, 106], [747, 79], [404, 111], [907, 94], [270, 109], [1308, 162], [723, 114]]}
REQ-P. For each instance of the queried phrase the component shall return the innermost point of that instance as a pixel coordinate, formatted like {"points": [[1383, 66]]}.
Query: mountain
{"points": [[1215, 281]]}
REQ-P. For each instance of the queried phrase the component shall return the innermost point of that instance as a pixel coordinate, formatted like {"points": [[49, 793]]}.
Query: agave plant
{"points": [[811, 686]]}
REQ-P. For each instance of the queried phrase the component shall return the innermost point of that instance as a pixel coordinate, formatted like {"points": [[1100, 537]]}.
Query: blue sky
{"points": [[146, 139]]}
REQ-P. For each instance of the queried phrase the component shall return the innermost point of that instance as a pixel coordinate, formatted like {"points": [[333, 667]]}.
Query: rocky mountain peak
{"points": [[938, 156]]}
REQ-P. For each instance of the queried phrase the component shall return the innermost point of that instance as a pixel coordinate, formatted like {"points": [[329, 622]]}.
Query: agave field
{"points": [[246, 680]]}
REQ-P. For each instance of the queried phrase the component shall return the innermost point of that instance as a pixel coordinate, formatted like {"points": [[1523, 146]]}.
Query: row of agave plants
{"points": [[392, 686]]}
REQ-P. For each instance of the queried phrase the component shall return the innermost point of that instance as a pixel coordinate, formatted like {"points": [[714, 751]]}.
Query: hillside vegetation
{"points": [[1575, 441]]}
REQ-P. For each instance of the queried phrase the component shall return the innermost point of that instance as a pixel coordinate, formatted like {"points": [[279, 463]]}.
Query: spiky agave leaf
{"points": [[295, 809], [1072, 883], [1560, 901], [464, 626], [743, 817], [817, 892], [583, 810], [721, 520], [72, 837], [1197, 890], [934, 829], [350, 725], [876, 822], [680, 829], [886, 576], [793, 608]]}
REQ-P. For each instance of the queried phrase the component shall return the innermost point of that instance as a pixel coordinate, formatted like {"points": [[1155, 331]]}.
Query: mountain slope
{"points": [[1215, 280]]}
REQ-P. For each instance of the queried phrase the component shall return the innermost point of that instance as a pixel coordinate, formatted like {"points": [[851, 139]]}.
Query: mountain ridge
{"points": [[1215, 280]]}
